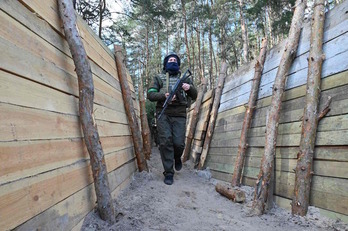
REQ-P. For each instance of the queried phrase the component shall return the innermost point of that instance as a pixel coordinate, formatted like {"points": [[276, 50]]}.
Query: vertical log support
{"points": [[130, 111], [145, 130], [213, 114], [86, 97], [238, 166], [263, 196], [194, 120], [310, 120]]}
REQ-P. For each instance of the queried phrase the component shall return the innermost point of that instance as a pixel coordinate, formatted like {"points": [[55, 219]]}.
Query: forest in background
{"points": [[202, 32]]}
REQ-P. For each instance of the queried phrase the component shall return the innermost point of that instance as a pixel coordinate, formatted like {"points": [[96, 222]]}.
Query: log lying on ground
{"points": [[236, 195]]}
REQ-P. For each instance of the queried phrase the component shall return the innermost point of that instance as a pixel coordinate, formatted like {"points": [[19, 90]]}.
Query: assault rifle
{"points": [[175, 90]]}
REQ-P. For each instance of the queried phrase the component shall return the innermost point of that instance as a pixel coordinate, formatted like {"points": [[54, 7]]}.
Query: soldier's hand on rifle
{"points": [[186, 86], [174, 97]]}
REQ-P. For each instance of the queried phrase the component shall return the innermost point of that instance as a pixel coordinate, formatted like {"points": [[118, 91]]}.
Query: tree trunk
{"points": [[199, 51], [167, 36], [213, 114], [185, 32], [310, 121], [203, 55], [145, 130], [223, 45], [269, 25], [193, 55], [159, 52], [102, 6], [238, 167], [210, 57], [128, 104], [235, 53], [264, 184], [244, 32], [216, 71], [89, 127], [194, 120], [236, 195], [147, 79]]}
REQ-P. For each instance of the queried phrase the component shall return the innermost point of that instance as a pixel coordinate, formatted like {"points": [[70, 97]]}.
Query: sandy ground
{"points": [[192, 203]]}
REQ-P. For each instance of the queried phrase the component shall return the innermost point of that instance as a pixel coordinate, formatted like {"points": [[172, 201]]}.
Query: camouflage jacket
{"points": [[158, 88]]}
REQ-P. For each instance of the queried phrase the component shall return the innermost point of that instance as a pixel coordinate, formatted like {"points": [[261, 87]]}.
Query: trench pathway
{"points": [[192, 203]]}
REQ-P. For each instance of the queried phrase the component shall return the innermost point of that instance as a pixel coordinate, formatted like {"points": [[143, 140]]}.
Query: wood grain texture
{"points": [[41, 142]]}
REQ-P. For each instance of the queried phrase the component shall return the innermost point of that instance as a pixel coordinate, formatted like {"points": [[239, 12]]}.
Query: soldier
{"points": [[171, 126]]}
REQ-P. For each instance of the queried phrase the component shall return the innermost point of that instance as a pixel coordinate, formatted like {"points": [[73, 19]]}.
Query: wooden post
{"points": [[238, 166], [145, 130], [130, 111], [89, 127], [194, 120], [303, 176], [263, 196], [213, 114]]}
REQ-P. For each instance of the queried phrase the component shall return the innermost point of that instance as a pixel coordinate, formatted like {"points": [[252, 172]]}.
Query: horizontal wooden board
{"points": [[44, 166], [331, 66], [246, 72], [39, 70], [338, 169], [286, 203], [330, 153], [48, 11], [292, 111], [23, 92], [323, 138], [297, 74], [34, 195], [26, 39], [332, 197], [332, 123], [114, 194], [44, 31], [334, 26], [20, 159], [96, 50], [284, 186], [66, 214], [331, 82], [19, 123], [336, 80], [208, 95]]}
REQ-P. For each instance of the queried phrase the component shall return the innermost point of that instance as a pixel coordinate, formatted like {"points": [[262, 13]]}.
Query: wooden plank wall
{"points": [[45, 177], [330, 181], [201, 127]]}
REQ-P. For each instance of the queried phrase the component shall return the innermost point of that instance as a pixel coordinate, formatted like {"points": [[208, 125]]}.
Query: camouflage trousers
{"points": [[171, 134]]}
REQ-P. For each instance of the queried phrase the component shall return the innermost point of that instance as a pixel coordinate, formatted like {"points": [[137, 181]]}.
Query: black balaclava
{"points": [[172, 68]]}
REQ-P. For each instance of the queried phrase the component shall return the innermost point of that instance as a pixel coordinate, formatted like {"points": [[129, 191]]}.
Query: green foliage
{"points": [[281, 14], [150, 110], [148, 29]]}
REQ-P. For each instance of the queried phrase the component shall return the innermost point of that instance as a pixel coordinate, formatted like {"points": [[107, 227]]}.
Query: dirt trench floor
{"points": [[192, 203]]}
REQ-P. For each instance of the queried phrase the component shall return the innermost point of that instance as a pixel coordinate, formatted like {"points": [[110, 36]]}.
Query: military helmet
{"points": [[170, 54]]}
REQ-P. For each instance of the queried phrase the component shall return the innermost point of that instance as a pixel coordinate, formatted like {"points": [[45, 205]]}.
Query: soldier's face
{"points": [[172, 60]]}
